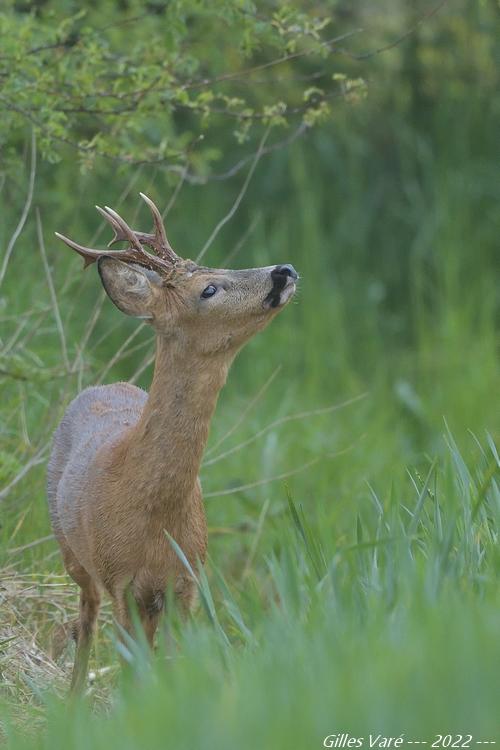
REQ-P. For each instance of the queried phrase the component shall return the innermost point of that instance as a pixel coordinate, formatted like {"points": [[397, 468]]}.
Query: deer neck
{"points": [[167, 443]]}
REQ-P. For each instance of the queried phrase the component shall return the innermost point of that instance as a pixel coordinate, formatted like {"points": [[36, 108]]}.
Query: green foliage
{"points": [[139, 84]]}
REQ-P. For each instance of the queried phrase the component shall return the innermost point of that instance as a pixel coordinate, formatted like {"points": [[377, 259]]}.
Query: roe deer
{"points": [[124, 464]]}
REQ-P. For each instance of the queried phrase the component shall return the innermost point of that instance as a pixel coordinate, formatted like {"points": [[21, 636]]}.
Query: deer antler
{"points": [[163, 261], [158, 241]]}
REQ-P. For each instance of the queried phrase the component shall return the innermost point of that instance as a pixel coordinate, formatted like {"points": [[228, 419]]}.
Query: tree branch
{"points": [[238, 200], [26, 209]]}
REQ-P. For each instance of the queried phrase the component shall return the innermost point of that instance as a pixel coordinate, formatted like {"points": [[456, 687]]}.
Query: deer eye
{"points": [[209, 291]]}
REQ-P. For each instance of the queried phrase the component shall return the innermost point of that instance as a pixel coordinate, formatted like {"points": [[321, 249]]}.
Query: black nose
{"points": [[283, 271]]}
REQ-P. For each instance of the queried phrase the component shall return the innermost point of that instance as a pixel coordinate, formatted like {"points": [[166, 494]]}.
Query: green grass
{"points": [[393, 630], [359, 594]]}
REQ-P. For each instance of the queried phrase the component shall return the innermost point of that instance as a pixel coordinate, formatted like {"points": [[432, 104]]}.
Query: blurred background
{"points": [[379, 181]]}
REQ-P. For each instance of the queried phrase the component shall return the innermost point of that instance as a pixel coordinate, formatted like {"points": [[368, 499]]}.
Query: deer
{"points": [[124, 467]]}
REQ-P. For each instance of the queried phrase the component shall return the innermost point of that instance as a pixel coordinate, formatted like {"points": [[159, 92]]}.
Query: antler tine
{"points": [[159, 227], [130, 235], [118, 232], [90, 255], [163, 246]]}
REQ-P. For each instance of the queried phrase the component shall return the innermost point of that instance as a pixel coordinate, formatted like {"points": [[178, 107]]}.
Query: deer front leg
{"points": [[151, 604]]}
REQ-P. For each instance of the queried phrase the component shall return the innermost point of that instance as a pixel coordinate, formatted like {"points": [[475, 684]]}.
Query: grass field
{"points": [[350, 476]]}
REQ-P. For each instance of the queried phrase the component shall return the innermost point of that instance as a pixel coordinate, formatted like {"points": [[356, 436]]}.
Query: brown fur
{"points": [[124, 466]]}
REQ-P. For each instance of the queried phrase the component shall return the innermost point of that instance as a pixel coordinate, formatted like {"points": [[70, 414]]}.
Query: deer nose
{"points": [[281, 272]]}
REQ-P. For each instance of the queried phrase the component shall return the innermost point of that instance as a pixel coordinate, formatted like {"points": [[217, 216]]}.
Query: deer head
{"points": [[210, 311]]}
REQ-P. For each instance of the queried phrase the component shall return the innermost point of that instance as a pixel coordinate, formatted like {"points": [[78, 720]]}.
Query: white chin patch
{"points": [[286, 293]]}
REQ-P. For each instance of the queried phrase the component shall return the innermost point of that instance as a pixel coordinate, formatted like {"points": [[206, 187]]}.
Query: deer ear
{"points": [[131, 288]]}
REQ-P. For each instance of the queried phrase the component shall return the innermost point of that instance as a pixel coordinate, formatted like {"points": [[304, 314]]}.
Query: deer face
{"points": [[208, 310]]}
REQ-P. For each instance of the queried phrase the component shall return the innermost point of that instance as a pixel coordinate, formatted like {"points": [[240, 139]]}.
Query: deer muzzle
{"points": [[284, 279]]}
